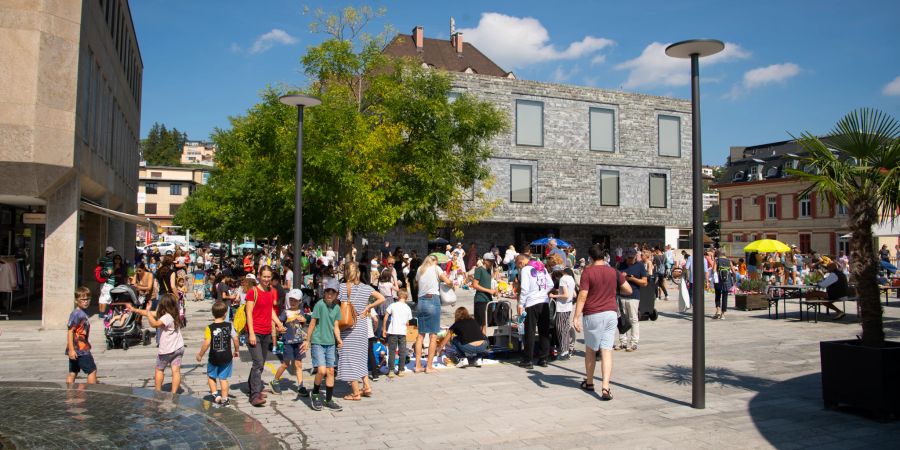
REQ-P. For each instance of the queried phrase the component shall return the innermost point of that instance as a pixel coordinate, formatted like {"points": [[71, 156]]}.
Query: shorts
{"points": [[481, 313], [221, 372], [428, 313], [84, 363], [169, 359], [292, 352], [600, 330], [323, 355], [105, 296]]}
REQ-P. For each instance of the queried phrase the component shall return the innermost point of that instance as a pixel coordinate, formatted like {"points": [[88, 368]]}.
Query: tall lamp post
{"points": [[300, 101], [695, 49]]}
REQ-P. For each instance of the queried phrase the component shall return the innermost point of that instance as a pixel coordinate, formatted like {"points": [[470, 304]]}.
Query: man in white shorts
{"points": [[597, 302], [106, 270]]}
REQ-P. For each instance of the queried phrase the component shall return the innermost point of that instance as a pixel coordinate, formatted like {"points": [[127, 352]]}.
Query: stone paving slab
{"points": [[763, 391]]}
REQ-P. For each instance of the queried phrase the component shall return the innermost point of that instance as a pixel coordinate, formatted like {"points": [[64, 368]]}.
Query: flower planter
{"points": [[748, 301], [861, 377]]}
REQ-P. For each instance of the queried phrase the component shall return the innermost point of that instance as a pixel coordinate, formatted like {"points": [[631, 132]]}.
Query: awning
{"points": [[887, 228], [91, 208]]}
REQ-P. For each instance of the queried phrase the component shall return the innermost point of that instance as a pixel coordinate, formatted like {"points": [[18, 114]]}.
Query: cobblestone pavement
{"points": [[763, 391]]}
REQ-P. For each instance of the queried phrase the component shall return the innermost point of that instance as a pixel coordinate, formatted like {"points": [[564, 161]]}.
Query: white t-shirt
{"points": [[429, 281], [565, 304], [170, 340], [536, 286], [400, 317], [289, 279]]}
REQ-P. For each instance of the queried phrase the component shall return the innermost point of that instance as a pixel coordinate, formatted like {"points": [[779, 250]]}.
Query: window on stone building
{"points": [[669, 135], [150, 188], [805, 206], [805, 243], [737, 209], [609, 187], [519, 183], [842, 209], [175, 189], [771, 207], [529, 123], [603, 129], [658, 188], [452, 96], [173, 208], [149, 208]]}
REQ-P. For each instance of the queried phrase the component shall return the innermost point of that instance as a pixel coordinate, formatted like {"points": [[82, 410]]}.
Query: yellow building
{"points": [[162, 190], [759, 200], [195, 152]]}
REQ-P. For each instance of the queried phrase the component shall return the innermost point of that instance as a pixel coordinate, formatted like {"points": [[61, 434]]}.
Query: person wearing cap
{"points": [[107, 270], [323, 343], [636, 275], [293, 320], [484, 291]]}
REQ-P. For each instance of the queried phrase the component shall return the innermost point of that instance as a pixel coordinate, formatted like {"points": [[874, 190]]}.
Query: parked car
{"points": [[165, 248]]}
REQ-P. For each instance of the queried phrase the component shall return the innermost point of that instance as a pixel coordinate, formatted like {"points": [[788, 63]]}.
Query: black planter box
{"points": [[862, 377]]}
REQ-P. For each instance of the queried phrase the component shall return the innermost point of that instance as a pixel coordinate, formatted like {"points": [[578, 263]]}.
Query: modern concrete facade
{"points": [[162, 190], [584, 164], [70, 95]]}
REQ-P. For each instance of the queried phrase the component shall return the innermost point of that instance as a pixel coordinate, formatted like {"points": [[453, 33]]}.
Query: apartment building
{"points": [[70, 103], [586, 165], [162, 190], [198, 152]]}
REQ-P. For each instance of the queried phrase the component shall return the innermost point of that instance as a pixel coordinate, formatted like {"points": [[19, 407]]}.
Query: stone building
{"points": [[584, 164], [70, 102], [760, 200]]}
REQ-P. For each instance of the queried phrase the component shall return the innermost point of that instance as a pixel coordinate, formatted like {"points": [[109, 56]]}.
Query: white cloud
{"points": [[560, 75], [654, 68], [762, 76], [515, 42], [268, 40], [892, 88]]}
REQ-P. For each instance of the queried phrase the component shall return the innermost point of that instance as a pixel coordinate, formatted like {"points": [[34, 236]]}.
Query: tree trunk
{"points": [[864, 267]]}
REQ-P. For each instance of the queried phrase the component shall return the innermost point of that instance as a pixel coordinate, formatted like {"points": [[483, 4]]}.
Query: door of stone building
{"points": [[602, 239]]}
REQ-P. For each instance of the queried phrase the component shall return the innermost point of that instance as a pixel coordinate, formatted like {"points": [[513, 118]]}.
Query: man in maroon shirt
{"points": [[597, 302]]}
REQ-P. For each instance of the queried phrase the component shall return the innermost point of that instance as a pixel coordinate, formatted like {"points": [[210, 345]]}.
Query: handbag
{"points": [[623, 323], [448, 295], [348, 313]]}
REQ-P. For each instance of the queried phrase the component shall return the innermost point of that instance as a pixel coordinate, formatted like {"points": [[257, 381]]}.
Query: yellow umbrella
{"points": [[767, 246]]}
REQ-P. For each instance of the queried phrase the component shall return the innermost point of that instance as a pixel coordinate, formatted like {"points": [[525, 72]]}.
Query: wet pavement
{"points": [[106, 416]]}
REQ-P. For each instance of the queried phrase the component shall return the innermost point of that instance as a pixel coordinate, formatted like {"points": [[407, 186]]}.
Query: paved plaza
{"points": [[763, 392]]}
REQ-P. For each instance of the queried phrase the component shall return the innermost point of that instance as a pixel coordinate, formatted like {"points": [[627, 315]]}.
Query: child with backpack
{"points": [[293, 320], [171, 343], [222, 343]]}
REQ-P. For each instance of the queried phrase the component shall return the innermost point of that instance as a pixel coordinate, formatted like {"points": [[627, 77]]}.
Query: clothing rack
{"points": [[9, 303]]}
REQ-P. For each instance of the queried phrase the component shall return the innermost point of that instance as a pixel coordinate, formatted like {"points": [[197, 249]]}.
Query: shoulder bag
{"points": [[623, 323], [348, 313]]}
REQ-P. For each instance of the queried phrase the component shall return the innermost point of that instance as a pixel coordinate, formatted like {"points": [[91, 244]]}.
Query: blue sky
{"points": [[789, 66]]}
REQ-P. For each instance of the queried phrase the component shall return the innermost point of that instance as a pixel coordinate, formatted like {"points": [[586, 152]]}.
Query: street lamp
{"points": [[695, 49], [299, 101]]}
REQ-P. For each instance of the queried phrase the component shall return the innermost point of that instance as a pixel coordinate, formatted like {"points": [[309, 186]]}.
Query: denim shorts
{"points": [[84, 363], [222, 372], [323, 355], [292, 352], [169, 359], [428, 313], [600, 330]]}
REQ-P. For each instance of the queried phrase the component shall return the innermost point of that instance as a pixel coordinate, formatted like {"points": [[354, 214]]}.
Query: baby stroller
{"points": [[121, 324]]}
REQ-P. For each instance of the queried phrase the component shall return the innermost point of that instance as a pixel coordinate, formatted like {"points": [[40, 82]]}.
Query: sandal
{"points": [[587, 386], [367, 393], [352, 398], [605, 394]]}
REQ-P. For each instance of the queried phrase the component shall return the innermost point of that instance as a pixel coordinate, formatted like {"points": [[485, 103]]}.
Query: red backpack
{"points": [[98, 274]]}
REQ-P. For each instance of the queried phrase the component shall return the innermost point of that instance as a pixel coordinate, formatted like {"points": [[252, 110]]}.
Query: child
{"points": [[77, 346], [222, 341], [293, 320], [396, 318], [324, 336], [171, 343]]}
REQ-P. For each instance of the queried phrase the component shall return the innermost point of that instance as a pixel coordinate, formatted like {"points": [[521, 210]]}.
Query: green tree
{"points": [[859, 167], [162, 147]]}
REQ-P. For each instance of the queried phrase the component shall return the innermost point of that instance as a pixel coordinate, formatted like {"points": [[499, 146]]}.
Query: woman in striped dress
{"points": [[354, 355]]}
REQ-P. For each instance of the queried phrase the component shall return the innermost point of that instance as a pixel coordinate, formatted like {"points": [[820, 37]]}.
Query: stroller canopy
{"points": [[123, 293]]}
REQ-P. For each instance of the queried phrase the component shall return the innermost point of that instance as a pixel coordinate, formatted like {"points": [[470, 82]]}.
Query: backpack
{"points": [[220, 352], [98, 274]]}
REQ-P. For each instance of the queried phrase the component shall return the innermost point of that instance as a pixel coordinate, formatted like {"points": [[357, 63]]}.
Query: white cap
{"points": [[295, 294], [406, 256], [110, 249], [250, 276], [488, 257]]}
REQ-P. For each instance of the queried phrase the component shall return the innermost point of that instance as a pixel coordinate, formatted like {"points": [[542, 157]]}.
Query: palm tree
{"points": [[859, 166]]}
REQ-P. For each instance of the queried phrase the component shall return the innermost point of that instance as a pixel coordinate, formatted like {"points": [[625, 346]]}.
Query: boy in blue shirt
{"points": [[325, 339]]}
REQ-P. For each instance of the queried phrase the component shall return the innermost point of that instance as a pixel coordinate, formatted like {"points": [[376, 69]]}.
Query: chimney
{"points": [[418, 34], [456, 41]]}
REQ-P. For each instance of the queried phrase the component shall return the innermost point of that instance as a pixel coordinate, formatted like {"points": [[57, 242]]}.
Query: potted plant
{"points": [[751, 295], [858, 165]]}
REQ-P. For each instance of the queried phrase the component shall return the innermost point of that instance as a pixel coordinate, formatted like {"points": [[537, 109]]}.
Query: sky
{"points": [[788, 66]]}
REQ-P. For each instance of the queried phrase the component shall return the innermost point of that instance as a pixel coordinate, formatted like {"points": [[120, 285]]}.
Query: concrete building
{"points": [[197, 152], [161, 190], [759, 200], [586, 165], [70, 102]]}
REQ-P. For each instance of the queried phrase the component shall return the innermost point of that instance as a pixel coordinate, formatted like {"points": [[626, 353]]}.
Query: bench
{"points": [[815, 304]]}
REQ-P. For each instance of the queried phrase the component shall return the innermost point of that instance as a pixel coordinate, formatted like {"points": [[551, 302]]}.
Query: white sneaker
{"points": [[463, 362]]}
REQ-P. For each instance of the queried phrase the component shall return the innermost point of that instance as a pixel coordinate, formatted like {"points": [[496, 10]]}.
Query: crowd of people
{"points": [[350, 316]]}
